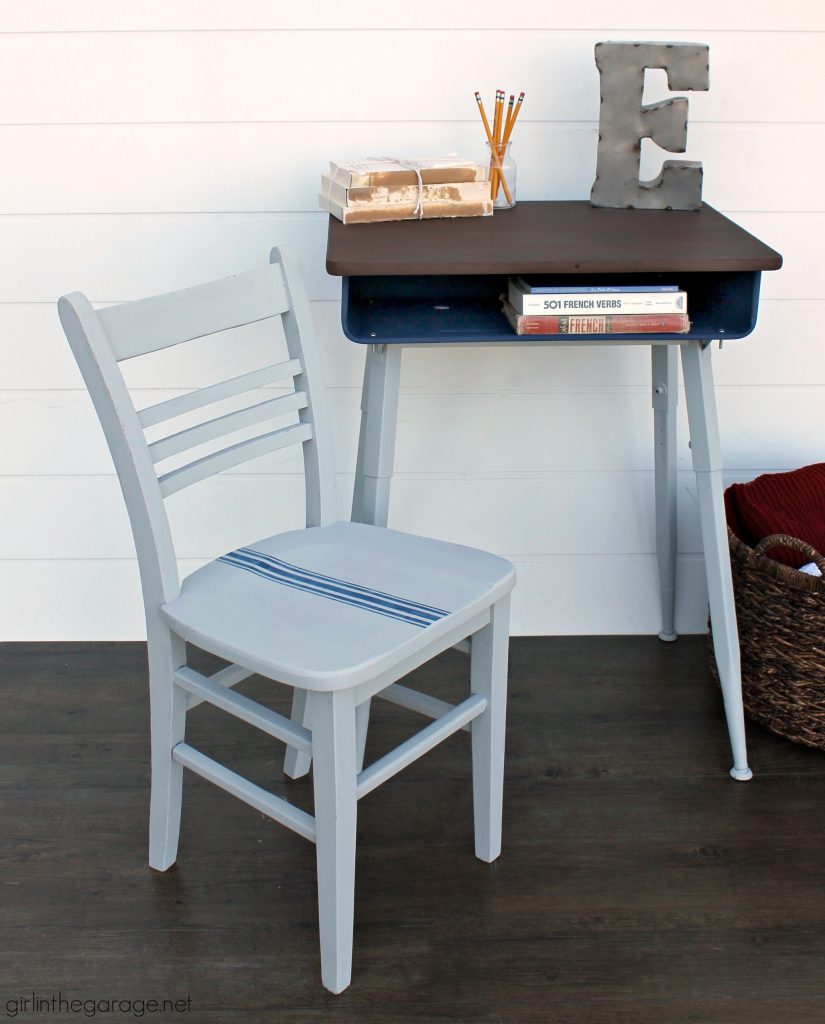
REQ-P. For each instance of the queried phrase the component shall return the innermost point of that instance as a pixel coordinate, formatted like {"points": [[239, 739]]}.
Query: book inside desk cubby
{"points": [[467, 308]]}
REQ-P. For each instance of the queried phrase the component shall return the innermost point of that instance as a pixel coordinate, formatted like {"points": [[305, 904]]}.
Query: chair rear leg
{"points": [[296, 762], [488, 677], [362, 723], [334, 777], [167, 653]]}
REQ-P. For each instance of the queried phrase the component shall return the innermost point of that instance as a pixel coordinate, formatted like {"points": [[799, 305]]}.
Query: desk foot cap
{"points": [[741, 774], [668, 638]]}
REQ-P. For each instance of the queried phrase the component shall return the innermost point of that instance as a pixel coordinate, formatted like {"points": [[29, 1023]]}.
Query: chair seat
{"points": [[333, 606]]}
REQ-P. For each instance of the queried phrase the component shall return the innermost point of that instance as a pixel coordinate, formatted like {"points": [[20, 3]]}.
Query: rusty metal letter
{"points": [[624, 122]]}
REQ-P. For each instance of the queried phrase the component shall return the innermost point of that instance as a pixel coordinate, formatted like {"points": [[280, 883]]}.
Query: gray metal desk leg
{"points": [[373, 466], [665, 378], [707, 464], [376, 441]]}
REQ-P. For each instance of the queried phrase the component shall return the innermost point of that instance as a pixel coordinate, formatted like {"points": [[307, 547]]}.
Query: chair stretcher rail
{"points": [[247, 710], [423, 703], [227, 677], [267, 803], [385, 767]]}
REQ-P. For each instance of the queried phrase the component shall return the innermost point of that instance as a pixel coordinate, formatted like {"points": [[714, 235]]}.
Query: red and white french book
{"points": [[620, 323]]}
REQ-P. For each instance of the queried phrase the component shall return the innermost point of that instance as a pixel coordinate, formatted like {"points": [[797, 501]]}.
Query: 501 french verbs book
{"points": [[529, 298]]}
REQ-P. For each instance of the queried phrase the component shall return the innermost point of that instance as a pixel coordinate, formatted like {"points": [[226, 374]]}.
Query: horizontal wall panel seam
{"points": [[280, 213], [447, 390], [571, 124], [504, 28], [455, 476], [525, 559], [39, 303], [40, 215]]}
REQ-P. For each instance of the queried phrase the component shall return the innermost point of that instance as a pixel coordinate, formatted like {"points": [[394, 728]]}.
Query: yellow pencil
{"points": [[512, 121], [493, 152], [509, 116], [508, 131], [494, 174], [497, 116], [503, 136]]}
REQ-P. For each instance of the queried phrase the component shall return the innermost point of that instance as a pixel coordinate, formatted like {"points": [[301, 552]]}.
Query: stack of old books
{"points": [[534, 307], [387, 189]]}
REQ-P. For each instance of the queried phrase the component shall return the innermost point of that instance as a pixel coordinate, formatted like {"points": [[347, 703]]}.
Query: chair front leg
{"points": [[334, 754], [488, 677], [168, 702]]}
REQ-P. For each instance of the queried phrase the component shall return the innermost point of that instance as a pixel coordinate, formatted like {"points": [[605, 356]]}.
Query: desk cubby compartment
{"points": [[452, 309]]}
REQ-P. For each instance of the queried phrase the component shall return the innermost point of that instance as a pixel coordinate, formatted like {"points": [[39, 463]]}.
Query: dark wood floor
{"points": [[638, 883]]}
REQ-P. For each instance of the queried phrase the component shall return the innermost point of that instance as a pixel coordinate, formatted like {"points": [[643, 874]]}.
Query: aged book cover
{"points": [[406, 211], [358, 195], [532, 286], [435, 171], [598, 301], [641, 323]]}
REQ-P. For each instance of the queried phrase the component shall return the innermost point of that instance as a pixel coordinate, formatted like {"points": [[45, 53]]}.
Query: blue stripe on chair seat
{"points": [[376, 601], [417, 605]]}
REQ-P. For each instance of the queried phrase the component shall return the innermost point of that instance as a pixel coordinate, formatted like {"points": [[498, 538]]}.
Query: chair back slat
{"points": [[148, 325], [174, 444], [236, 454], [192, 400], [100, 339]]}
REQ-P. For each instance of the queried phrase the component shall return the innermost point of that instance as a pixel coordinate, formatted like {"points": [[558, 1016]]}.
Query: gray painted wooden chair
{"points": [[339, 611]]}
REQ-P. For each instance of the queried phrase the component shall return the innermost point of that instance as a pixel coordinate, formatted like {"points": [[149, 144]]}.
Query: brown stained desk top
{"points": [[570, 237]]}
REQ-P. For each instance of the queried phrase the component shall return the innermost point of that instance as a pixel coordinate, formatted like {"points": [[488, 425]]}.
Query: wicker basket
{"points": [[781, 617]]}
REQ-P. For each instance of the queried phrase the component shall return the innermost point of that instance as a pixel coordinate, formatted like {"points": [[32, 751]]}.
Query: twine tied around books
{"points": [[409, 165]]}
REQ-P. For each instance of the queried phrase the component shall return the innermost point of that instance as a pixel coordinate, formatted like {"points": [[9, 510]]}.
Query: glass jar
{"points": [[504, 169]]}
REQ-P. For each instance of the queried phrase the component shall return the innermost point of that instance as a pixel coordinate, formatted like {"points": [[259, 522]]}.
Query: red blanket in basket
{"points": [[792, 503]]}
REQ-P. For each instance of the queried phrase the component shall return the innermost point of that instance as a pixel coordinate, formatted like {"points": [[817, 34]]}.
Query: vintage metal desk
{"points": [[437, 282]]}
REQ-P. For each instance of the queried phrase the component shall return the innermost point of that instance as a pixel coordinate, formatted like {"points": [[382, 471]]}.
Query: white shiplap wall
{"points": [[149, 146]]}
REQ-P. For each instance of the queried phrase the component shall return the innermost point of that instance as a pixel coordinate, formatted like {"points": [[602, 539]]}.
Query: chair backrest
{"points": [[100, 339]]}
